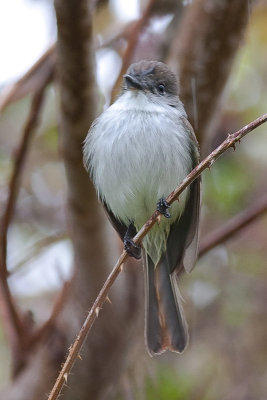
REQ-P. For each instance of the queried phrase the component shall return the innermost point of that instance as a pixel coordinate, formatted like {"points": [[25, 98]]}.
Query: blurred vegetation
{"points": [[226, 294]]}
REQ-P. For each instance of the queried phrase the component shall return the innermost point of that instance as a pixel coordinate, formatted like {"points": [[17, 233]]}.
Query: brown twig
{"points": [[33, 77], [37, 247], [60, 300], [11, 316], [102, 296], [19, 161], [58, 305], [132, 42], [234, 225], [205, 52], [32, 80]]}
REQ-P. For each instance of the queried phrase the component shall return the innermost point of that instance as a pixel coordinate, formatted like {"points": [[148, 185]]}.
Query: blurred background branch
{"points": [[234, 225], [15, 328], [127, 56], [205, 52]]}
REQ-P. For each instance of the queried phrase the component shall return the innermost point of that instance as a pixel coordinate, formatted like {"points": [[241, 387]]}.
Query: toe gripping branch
{"points": [[162, 207], [133, 249]]}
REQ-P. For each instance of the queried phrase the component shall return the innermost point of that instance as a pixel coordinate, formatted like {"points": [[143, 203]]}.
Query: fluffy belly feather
{"points": [[135, 161]]}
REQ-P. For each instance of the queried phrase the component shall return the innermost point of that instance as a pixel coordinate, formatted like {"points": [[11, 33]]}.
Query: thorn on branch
{"points": [[195, 173], [211, 162], [158, 218]]}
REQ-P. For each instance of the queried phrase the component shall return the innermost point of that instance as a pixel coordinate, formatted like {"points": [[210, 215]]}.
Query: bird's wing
{"points": [[115, 222], [182, 242]]}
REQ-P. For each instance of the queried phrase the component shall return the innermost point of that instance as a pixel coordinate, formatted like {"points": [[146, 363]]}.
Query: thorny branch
{"points": [[234, 225], [103, 294], [9, 310]]}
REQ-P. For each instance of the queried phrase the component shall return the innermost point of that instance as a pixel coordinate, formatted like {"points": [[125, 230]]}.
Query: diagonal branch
{"points": [[59, 304], [32, 80], [36, 249], [103, 294], [234, 225]]}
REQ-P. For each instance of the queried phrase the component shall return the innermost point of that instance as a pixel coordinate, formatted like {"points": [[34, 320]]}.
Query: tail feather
{"points": [[166, 327]]}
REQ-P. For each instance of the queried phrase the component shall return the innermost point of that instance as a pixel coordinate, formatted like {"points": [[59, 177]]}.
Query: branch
{"points": [[34, 252], [205, 51], [32, 80], [59, 304], [86, 220], [103, 294], [233, 226], [19, 161], [11, 316], [132, 42]]}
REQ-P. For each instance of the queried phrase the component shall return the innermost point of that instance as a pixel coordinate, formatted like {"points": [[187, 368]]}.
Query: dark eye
{"points": [[161, 88]]}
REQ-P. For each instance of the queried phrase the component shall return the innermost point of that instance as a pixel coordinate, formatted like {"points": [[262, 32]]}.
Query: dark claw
{"points": [[162, 207], [133, 249]]}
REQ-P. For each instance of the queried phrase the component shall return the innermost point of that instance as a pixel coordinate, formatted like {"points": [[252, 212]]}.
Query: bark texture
{"points": [[109, 342], [204, 50]]}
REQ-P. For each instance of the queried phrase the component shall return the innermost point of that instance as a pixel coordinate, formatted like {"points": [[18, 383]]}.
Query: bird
{"points": [[136, 152]]}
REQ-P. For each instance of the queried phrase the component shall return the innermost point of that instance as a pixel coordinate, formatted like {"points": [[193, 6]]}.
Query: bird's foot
{"points": [[133, 249], [162, 207]]}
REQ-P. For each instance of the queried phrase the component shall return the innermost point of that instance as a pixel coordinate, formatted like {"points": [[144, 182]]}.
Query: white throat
{"points": [[136, 100]]}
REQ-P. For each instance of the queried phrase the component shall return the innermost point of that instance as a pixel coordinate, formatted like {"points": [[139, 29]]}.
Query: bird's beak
{"points": [[132, 82]]}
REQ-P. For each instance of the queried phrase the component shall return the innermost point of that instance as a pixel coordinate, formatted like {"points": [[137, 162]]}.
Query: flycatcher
{"points": [[137, 152]]}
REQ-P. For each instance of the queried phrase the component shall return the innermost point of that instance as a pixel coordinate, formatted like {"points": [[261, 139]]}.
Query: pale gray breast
{"points": [[137, 157]]}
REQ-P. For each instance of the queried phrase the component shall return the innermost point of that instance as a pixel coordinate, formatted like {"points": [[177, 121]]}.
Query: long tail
{"points": [[166, 327]]}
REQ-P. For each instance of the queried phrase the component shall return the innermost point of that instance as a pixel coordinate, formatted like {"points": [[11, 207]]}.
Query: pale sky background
{"points": [[27, 30]]}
